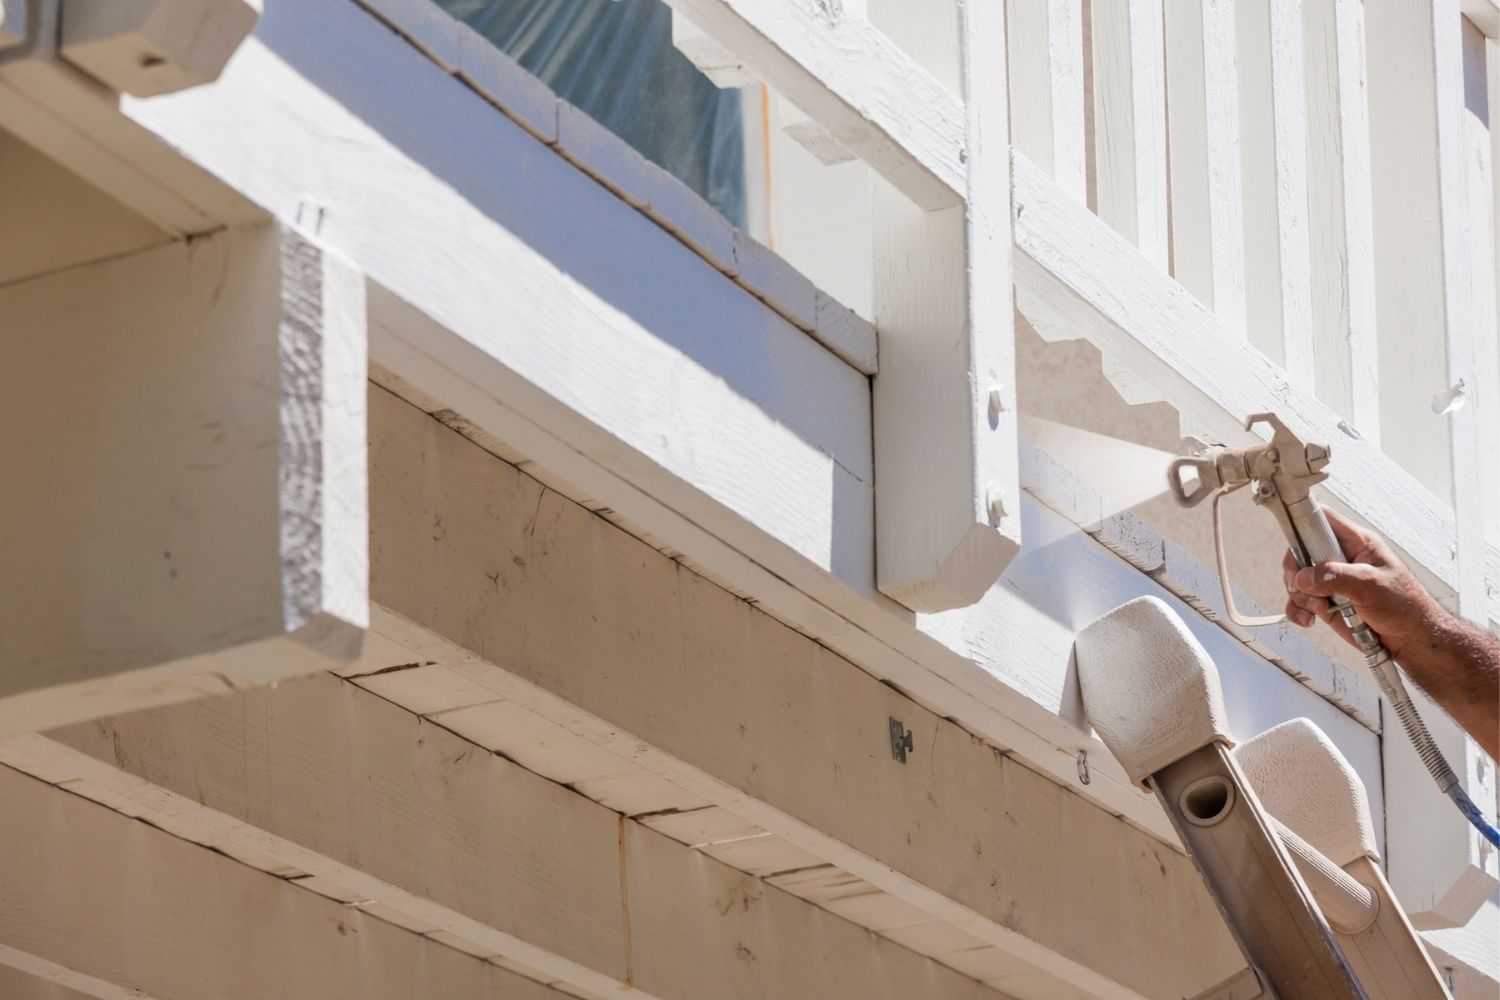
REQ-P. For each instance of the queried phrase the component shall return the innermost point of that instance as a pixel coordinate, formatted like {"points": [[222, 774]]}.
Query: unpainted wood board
{"points": [[92, 891], [753, 716], [380, 806]]}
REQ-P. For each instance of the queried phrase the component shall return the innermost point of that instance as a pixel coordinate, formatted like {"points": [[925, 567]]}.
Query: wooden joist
{"points": [[345, 793], [189, 421], [99, 905], [650, 661]]}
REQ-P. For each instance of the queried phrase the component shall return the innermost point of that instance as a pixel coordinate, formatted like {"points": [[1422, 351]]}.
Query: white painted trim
{"points": [[148, 47], [847, 76]]}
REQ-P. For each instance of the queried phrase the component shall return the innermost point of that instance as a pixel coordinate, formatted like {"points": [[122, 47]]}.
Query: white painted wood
{"points": [[1422, 277], [1273, 148], [1470, 952], [149, 47], [1340, 223], [947, 518], [383, 808], [1044, 53], [1130, 122], [108, 907], [1485, 15], [712, 59], [1440, 866], [872, 97], [1208, 225], [191, 421], [812, 571], [12, 23], [1076, 278]]}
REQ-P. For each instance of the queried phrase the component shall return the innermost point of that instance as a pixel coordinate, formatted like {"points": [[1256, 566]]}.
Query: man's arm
{"points": [[1454, 662]]}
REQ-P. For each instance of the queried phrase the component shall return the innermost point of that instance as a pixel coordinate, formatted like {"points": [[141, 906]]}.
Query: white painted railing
{"points": [[1318, 174]]}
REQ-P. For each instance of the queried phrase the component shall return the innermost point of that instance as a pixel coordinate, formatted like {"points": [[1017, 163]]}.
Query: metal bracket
{"points": [[901, 741]]}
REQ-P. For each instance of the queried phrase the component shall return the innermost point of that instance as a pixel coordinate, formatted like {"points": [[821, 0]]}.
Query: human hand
{"points": [[1381, 588]]}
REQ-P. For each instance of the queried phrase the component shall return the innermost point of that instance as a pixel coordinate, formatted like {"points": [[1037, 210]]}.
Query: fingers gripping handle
{"points": [[1318, 540]]}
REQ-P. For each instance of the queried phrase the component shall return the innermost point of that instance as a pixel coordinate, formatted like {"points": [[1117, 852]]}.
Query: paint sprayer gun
{"points": [[1284, 470]]}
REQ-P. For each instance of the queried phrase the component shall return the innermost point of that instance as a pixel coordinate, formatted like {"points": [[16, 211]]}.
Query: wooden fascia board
{"points": [[338, 787], [1078, 278], [873, 98], [116, 908]]}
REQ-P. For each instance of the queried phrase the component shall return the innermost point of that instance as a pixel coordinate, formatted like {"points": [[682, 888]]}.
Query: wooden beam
{"points": [[1130, 122], [670, 671], [1341, 220], [150, 47], [358, 798], [944, 427], [1208, 225], [190, 420], [873, 98], [100, 905]]}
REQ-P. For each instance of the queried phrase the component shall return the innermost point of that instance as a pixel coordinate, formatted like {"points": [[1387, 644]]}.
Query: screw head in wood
{"points": [[995, 504]]}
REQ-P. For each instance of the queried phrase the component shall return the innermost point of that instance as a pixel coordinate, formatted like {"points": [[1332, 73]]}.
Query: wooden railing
{"points": [[1318, 174]]}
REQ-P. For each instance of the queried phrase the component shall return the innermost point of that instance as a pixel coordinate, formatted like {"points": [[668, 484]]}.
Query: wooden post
{"points": [[947, 503], [189, 424]]}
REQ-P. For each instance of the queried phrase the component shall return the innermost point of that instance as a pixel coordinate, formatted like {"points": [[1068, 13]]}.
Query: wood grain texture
{"points": [[113, 908], [199, 501], [872, 97]]}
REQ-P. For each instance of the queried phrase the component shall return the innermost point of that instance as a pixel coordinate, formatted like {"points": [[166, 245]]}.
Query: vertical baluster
{"points": [[1273, 143], [1130, 129], [1208, 241], [1044, 40], [1423, 302], [1340, 226]]}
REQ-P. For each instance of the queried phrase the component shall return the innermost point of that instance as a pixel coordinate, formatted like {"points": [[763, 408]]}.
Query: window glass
{"points": [[614, 59]]}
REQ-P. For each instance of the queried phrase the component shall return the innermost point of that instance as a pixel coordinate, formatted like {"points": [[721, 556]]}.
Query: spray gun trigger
{"points": [[1235, 615]]}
